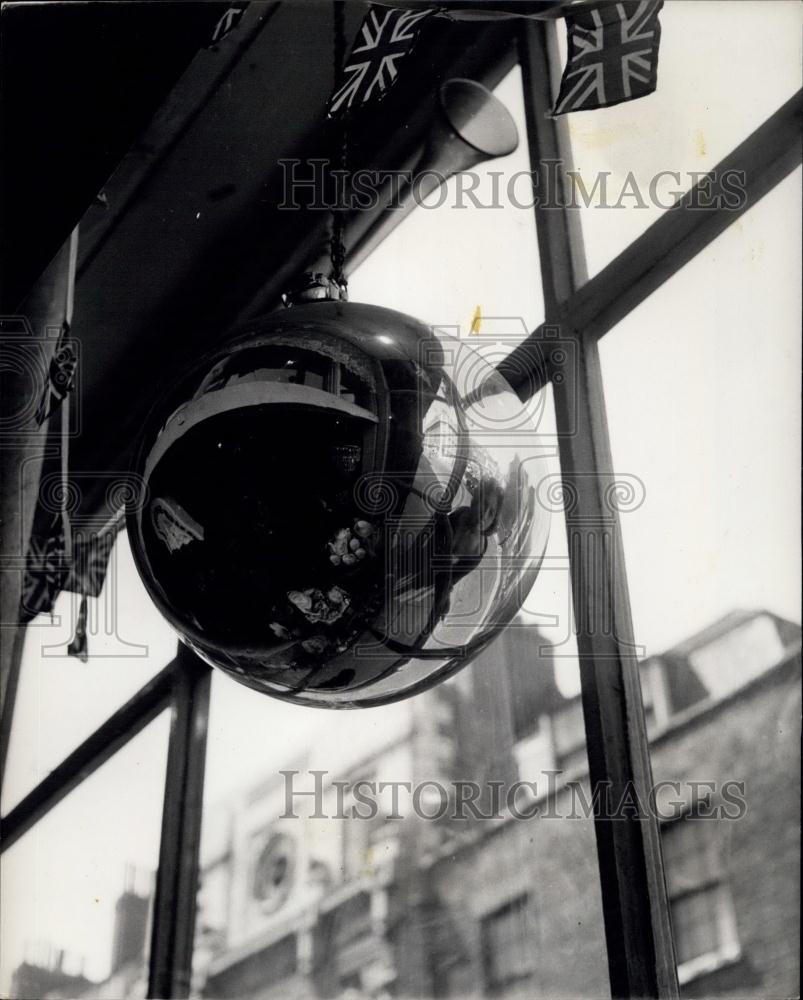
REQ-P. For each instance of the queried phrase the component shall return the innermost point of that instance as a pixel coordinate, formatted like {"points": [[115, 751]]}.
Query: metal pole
{"points": [[120, 727], [638, 933], [173, 928]]}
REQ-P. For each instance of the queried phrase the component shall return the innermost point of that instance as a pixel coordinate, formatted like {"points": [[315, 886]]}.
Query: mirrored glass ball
{"points": [[337, 506]]}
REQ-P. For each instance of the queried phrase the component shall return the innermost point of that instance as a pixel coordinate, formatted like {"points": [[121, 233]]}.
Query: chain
{"points": [[337, 243]]}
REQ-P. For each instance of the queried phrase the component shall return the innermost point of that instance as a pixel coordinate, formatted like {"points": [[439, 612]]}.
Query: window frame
{"points": [[634, 895], [183, 686], [728, 948], [638, 930], [518, 910]]}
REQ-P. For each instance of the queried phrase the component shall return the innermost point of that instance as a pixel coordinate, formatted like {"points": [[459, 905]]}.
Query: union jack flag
{"points": [[86, 577], [45, 572], [61, 375], [385, 37], [227, 23], [613, 55], [90, 560], [48, 570]]}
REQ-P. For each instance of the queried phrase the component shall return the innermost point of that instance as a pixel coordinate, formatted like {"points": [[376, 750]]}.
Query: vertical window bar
{"points": [[638, 933], [177, 878]]}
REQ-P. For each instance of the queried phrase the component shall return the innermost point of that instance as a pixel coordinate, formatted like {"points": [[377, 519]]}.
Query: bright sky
{"points": [[702, 393]]}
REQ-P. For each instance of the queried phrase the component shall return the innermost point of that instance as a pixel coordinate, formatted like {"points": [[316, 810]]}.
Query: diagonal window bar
{"points": [[764, 159], [96, 749]]}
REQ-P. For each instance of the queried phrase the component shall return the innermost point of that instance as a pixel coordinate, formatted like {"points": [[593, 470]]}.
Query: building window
{"points": [[701, 907], [274, 872], [507, 945]]}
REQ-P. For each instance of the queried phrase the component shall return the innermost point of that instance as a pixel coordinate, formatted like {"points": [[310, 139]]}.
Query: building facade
{"points": [[442, 891], [459, 859]]}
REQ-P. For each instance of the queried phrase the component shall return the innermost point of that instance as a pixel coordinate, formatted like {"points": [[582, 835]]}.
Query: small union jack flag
{"points": [[90, 560], [46, 571], [87, 574], [61, 375], [385, 37], [613, 55], [227, 23]]}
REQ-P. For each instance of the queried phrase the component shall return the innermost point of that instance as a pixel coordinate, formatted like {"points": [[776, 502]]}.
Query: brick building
{"points": [[323, 906]]}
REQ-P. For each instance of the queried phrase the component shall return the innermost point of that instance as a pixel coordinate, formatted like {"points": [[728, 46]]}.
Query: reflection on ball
{"points": [[337, 507]]}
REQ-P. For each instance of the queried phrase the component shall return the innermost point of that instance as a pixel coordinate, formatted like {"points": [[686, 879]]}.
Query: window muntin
{"points": [[77, 888], [61, 700]]}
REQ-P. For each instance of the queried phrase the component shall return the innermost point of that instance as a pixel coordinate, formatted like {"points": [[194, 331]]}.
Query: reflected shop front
{"points": [[401, 500]]}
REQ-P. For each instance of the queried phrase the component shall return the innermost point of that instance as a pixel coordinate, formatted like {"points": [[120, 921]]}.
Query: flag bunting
{"points": [[386, 37], [61, 375], [613, 55], [227, 23]]}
